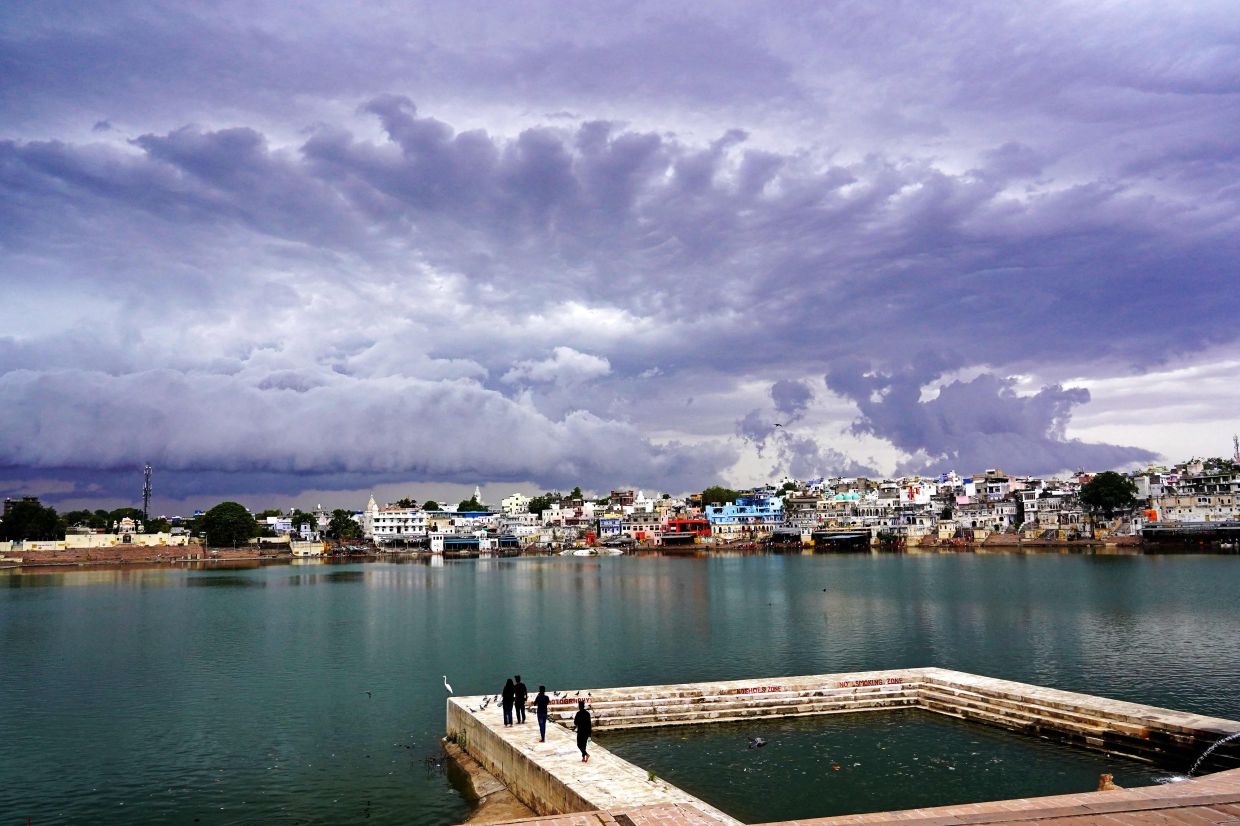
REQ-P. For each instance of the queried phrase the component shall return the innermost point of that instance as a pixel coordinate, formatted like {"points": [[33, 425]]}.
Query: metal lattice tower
{"points": [[146, 494], [1235, 447]]}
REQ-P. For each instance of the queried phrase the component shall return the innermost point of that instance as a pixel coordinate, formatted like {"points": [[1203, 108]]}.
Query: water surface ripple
{"points": [[239, 695]]}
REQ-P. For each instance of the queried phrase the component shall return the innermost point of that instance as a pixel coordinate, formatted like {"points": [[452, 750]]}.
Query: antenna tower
{"points": [[146, 494], [1235, 447]]}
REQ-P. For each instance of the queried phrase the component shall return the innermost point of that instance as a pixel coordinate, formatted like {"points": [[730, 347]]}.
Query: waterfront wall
{"points": [[1148, 733], [550, 780], [549, 777]]}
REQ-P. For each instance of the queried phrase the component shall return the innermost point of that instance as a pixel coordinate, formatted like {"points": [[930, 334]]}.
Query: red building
{"points": [[698, 527]]}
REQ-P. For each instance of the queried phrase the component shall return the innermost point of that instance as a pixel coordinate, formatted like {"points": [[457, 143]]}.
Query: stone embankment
{"points": [[550, 779], [124, 554]]}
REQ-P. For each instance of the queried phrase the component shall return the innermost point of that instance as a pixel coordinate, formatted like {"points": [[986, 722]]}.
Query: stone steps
{"points": [[1102, 728], [1026, 710], [714, 708], [1096, 730], [697, 699], [1112, 712], [713, 715]]}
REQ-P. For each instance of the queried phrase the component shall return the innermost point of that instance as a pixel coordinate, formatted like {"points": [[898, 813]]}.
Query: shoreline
{"points": [[250, 559]]}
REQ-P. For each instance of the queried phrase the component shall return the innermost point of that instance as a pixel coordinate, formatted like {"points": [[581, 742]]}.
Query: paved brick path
{"points": [[1214, 799]]}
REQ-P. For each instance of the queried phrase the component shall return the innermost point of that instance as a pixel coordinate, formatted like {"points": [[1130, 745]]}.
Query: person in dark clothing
{"points": [[541, 702], [523, 694], [506, 698], [584, 725]]}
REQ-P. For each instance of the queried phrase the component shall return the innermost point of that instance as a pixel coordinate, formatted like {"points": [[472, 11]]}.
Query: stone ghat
{"points": [[550, 779], [1157, 735]]}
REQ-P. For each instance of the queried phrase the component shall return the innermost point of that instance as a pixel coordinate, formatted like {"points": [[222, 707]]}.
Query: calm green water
{"points": [[843, 764], [238, 696]]}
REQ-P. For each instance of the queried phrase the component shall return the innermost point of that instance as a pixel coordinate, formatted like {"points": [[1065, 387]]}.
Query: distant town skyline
{"points": [[300, 254]]}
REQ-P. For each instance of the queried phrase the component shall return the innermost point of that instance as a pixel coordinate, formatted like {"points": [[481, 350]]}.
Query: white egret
{"points": [[445, 683]]}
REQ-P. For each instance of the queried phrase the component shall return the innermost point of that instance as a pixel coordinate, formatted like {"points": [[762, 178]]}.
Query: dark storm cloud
{"points": [[344, 426], [973, 425], [791, 397], [354, 207]]}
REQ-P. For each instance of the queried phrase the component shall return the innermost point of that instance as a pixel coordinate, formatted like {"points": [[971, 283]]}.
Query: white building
{"points": [[515, 504], [392, 523]]}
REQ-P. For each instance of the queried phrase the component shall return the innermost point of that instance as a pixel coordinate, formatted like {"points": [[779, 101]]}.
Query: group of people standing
{"points": [[514, 697]]}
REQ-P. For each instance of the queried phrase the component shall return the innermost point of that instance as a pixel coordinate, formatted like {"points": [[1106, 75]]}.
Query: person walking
{"points": [[522, 695], [584, 725], [541, 702], [506, 698]]}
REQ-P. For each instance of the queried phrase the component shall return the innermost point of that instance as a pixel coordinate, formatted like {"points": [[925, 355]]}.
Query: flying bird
{"points": [[777, 424], [368, 694], [445, 683]]}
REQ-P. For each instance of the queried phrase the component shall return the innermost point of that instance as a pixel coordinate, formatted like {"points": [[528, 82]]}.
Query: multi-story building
{"points": [[642, 526], [748, 517], [393, 523], [1202, 497], [516, 503]]}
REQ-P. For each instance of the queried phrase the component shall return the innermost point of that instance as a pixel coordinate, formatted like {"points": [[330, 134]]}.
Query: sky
{"points": [[293, 254]]}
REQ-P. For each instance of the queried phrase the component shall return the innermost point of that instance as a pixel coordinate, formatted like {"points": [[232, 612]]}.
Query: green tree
{"points": [[299, 517], [269, 512], [541, 503], [158, 525], [576, 494], [471, 504], [82, 517], [1219, 465], [30, 520], [718, 495], [788, 486], [406, 502], [431, 505], [228, 523], [123, 513], [1109, 493], [342, 525]]}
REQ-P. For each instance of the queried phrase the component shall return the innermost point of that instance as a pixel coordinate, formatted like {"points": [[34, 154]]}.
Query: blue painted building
{"points": [[748, 517]]}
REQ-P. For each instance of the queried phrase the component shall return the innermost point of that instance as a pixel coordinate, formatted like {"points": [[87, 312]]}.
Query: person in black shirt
{"points": [[541, 702], [506, 697], [583, 724], [523, 693]]}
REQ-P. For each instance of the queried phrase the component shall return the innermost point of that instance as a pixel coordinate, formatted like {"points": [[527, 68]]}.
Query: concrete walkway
{"points": [[1214, 799], [551, 777], [1211, 799]]}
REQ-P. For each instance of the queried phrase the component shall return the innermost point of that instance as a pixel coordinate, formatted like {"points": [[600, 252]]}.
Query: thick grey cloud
{"points": [[977, 424], [584, 222], [340, 425]]}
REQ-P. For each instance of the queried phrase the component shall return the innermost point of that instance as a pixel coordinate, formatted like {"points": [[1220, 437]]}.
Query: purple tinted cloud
{"points": [[977, 424], [375, 212]]}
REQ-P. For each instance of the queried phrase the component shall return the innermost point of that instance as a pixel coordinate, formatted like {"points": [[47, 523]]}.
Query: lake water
{"points": [[240, 695]]}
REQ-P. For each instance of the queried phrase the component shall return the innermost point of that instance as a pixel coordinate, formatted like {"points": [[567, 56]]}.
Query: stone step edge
{"points": [[646, 711], [661, 723], [1074, 705], [740, 714], [751, 699], [1008, 722], [1029, 709]]}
